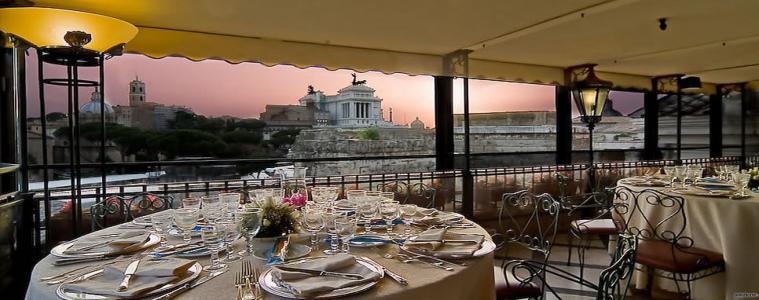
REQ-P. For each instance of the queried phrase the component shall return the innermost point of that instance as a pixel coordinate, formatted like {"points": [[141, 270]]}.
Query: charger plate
{"points": [[192, 273], [267, 282]]}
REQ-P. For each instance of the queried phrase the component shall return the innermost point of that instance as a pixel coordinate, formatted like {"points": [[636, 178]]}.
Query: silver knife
{"points": [[130, 270], [190, 285], [391, 274], [321, 273]]}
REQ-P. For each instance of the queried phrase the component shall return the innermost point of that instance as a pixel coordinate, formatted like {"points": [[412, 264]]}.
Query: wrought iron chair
{"points": [[613, 282], [529, 221], [399, 188], [147, 203], [663, 249], [423, 195], [108, 212]]}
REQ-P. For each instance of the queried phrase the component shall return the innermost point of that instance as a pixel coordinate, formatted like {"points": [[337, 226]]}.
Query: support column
{"points": [[715, 124], [744, 114], [444, 123], [651, 125], [563, 125], [11, 89]]}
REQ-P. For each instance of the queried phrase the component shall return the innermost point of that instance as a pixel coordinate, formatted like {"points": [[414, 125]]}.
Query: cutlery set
{"points": [[246, 279]]}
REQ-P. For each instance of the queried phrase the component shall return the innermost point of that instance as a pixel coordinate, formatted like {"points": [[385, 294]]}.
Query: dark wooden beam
{"points": [[444, 123], [563, 125]]}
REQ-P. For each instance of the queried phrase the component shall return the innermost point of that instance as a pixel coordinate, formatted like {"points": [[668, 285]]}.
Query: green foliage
{"points": [[242, 136], [55, 116], [284, 137], [277, 219], [371, 134]]}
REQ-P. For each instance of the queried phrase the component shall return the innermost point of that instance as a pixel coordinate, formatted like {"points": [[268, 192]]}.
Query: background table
{"points": [[474, 281], [730, 227]]}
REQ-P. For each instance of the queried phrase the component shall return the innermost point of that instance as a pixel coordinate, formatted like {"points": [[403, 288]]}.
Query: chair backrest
{"points": [[649, 214], [422, 195], [615, 279], [108, 212], [147, 203], [529, 220], [399, 188]]}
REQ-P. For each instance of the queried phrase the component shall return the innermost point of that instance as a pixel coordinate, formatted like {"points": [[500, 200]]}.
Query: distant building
{"points": [[354, 106], [417, 124], [143, 114]]}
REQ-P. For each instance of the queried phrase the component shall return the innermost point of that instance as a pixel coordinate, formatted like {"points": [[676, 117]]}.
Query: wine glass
{"points": [[669, 171], [186, 219], [313, 222], [741, 181], [248, 225], [407, 212], [320, 196], [211, 207], [389, 211], [387, 196], [227, 226], [345, 227], [191, 202], [367, 209], [355, 195], [162, 223], [213, 239], [374, 195], [679, 172], [231, 201], [329, 224]]}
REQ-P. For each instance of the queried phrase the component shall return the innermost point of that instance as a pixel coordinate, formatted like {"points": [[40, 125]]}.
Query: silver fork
{"points": [[239, 284]]}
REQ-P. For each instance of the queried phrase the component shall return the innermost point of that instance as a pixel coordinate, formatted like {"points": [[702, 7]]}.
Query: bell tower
{"points": [[136, 92]]}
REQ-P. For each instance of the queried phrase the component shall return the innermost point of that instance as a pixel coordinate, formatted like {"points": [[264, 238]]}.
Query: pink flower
{"points": [[296, 200]]}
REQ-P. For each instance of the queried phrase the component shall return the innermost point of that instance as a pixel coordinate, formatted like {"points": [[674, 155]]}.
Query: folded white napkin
{"points": [[439, 241], [308, 285], [150, 276], [440, 218], [123, 243]]}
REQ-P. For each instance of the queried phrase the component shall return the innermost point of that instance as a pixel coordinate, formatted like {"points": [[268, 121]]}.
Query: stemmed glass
{"points": [[669, 171], [229, 233], [213, 240], [741, 181], [389, 211], [186, 219], [320, 196], [407, 212], [355, 195], [679, 174], [367, 209], [313, 222], [191, 203], [345, 227], [162, 223], [211, 207], [231, 201], [248, 225], [387, 196], [329, 224]]}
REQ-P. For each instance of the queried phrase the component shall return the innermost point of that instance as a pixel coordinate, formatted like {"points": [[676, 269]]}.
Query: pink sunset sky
{"points": [[217, 88]]}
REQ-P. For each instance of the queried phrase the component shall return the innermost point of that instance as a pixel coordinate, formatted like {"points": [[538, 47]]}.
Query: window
{"points": [[346, 110], [619, 135]]}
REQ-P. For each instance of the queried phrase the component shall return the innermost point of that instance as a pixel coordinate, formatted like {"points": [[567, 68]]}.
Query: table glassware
{"points": [[162, 223], [186, 219], [248, 225], [730, 170], [213, 240], [211, 207], [228, 228], [387, 196], [230, 201], [374, 195], [679, 175], [741, 181], [191, 202], [294, 182], [389, 211], [355, 195], [368, 210], [669, 171], [345, 227], [407, 212], [313, 222], [320, 195], [329, 225]]}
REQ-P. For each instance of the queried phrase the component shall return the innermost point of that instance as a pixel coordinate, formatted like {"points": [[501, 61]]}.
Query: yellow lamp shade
{"points": [[46, 27]]}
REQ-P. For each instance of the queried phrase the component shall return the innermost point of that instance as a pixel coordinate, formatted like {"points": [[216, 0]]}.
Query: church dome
{"points": [[417, 124], [93, 107]]}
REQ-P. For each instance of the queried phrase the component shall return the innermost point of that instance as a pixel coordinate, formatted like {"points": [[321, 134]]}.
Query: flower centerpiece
{"points": [[276, 220]]}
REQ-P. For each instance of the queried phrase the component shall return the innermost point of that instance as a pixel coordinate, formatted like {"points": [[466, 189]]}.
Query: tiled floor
{"points": [[596, 259]]}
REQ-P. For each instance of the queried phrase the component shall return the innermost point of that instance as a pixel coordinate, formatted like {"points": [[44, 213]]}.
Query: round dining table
{"points": [[722, 225], [474, 280]]}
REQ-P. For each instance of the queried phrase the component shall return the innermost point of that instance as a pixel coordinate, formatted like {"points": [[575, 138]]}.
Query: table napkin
{"points": [[307, 285], [435, 241], [637, 181], [150, 275], [440, 218], [124, 242]]}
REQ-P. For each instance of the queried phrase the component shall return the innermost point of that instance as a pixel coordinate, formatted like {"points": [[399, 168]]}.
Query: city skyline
{"points": [[243, 90]]}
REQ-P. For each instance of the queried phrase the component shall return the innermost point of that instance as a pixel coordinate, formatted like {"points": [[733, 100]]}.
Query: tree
{"points": [[55, 116], [368, 134], [284, 138], [187, 142]]}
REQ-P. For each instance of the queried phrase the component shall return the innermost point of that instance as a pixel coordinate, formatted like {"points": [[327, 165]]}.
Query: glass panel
{"points": [[731, 124], [619, 135]]}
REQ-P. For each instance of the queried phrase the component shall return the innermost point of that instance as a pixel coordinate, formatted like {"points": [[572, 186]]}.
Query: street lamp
{"points": [[72, 39], [589, 95]]}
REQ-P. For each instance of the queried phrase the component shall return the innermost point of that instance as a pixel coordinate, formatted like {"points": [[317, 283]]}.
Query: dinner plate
{"points": [[486, 247], [59, 250], [202, 252], [294, 251], [267, 282], [192, 273], [369, 240], [176, 233], [142, 221]]}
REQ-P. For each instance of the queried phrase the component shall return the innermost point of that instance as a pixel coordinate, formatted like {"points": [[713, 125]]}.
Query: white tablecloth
{"points": [[730, 227], [474, 281]]}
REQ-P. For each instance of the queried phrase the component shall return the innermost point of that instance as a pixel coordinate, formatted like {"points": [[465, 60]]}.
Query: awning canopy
{"points": [[523, 41]]}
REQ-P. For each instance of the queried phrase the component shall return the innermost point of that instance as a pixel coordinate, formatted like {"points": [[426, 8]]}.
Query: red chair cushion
{"points": [[508, 287], [665, 256]]}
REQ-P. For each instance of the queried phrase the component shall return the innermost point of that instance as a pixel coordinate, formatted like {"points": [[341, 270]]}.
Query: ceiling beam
{"points": [[705, 46], [550, 23]]}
